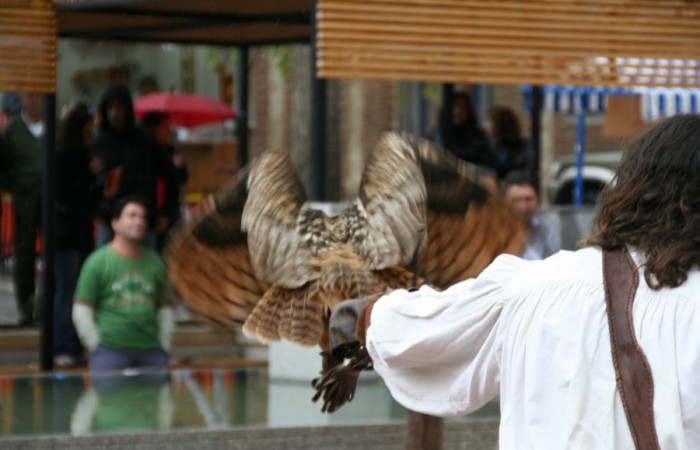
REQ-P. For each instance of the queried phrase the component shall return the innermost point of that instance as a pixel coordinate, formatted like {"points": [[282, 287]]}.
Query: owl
{"points": [[265, 259]]}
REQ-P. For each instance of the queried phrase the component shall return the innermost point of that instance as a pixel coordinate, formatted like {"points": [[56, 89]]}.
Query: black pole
{"points": [[446, 92], [243, 94], [317, 157], [536, 130], [47, 229]]}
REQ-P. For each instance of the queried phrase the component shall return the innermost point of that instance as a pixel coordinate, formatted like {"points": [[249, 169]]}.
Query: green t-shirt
{"points": [[126, 294]]}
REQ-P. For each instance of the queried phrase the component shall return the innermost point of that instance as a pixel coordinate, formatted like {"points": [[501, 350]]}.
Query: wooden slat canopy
{"points": [[214, 22], [562, 42], [27, 46]]}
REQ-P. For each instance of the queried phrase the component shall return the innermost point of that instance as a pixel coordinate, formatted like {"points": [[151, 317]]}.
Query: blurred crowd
{"points": [[103, 156], [108, 162]]}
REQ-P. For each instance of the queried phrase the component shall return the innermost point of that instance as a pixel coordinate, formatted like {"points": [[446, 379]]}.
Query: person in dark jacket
{"points": [[512, 151], [21, 162], [460, 133], [129, 160], [169, 188], [76, 200]]}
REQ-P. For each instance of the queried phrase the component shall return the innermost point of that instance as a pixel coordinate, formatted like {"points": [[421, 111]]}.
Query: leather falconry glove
{"points": [[347, 331]]}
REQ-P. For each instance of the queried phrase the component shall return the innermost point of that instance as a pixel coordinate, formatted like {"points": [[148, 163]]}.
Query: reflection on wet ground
{"points": [[216, 399]]}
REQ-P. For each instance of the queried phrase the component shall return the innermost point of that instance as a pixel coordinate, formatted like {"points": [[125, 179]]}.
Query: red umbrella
{"points": [[186, 110]]}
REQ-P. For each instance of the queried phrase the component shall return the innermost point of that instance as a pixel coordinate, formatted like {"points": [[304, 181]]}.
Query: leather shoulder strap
{"points": [[632, 371]]}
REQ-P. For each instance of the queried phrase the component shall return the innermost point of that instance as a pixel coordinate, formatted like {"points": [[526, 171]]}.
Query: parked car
{"points": [[598, 170]]}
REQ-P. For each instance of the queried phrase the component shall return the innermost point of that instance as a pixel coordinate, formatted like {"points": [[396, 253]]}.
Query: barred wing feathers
{"points": [[245, 261], [467, 227], [393, 198], [209, 264], [264, 258], [275, 200]]}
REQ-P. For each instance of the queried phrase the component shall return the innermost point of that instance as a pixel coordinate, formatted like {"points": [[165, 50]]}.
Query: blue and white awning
{"points": [[665, 102], [576, 99], [573, 99], [656, 102]]}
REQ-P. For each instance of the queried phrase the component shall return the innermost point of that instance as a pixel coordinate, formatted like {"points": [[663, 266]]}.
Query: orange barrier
{"points": [[7, 232], [8, 227]]}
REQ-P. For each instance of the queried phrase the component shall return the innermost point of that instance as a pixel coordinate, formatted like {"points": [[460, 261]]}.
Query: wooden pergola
{"points": [[571, 42]]}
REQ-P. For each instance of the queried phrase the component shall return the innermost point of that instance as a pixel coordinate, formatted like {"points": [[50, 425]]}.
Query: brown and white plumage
{"points": [[266, 259]]}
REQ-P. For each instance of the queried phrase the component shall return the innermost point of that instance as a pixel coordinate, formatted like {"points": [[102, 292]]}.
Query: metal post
{"points": [[536, 130], [317, 157], [422, 111], [580, 144], [47, 221], [424, 432], [243, 94]]}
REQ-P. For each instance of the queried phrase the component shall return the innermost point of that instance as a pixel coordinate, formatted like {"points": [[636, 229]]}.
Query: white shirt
{"points": [[36, 128], [537, 334], [542, 240]]}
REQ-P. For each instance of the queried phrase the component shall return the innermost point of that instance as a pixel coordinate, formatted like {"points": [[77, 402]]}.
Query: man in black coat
{"points": [[129, 159]]}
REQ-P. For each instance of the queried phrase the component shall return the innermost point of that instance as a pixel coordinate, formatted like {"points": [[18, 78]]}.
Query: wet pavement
{"points": [[212, 399], [8, 307]]}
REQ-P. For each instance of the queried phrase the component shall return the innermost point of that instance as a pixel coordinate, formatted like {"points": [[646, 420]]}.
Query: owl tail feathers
{"points": [[342, 279], [295, 315]]}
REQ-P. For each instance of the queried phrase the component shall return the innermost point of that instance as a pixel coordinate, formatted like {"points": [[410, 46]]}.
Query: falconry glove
{"points": [[347, 332]]}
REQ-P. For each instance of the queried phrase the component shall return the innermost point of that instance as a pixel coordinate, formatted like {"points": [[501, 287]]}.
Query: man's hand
{"points": [[344, 334]]}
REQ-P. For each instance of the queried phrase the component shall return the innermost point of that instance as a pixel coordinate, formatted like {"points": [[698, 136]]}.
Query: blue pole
{"points": [[580, 142]]}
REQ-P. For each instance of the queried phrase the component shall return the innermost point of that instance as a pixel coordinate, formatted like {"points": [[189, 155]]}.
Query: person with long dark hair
{"points": [[511, 150], [459, 132], [76, 201]]}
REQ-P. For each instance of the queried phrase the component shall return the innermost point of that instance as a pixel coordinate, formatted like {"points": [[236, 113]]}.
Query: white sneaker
{"points": [[64, 361]]}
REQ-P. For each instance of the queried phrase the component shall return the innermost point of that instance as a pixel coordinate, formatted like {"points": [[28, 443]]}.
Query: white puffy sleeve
{"points": [[439, 352]]}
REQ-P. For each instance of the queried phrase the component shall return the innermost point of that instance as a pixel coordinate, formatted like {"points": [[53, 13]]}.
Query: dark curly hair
{"points": [[506, 126], [70, 130], [654, 202]]}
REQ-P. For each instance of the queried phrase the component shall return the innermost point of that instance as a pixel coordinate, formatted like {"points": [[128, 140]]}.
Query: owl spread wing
{"points": [[209, 264], [393, 198], [246, 260], [467, 226], [422, 200], [270, 216], [224, 262]]}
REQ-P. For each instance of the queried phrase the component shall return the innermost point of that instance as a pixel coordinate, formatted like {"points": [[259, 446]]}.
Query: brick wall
{"points": [[565, 134], [564, 128]]}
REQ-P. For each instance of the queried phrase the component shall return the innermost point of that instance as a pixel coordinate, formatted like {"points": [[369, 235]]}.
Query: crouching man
{"points": [[122, 306]]}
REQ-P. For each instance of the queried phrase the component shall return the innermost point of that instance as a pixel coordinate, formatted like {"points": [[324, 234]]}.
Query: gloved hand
{"points": [[347, 326], [346, 334]]}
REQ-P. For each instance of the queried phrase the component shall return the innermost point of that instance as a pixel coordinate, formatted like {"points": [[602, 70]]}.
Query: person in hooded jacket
{"points": [[128, 159], [76, 200]]}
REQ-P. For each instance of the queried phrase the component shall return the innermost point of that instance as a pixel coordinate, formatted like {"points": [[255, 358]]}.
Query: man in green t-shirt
{"points": [[122, 306]]}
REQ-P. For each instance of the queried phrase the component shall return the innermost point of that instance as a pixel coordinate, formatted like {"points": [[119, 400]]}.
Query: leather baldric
{"points": [[632, 371]]}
